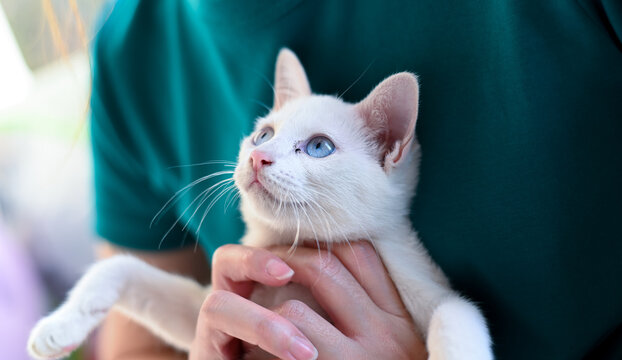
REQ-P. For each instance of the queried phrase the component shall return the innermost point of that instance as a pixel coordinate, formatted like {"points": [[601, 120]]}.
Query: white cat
{"points": [[351, 168]]}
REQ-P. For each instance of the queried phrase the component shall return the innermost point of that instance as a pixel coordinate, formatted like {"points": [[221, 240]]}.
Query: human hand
{"points": [[227, 316], [352, 285]]}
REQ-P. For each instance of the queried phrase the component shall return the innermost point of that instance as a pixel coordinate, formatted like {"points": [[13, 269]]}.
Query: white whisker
{"points": [[261, 104], [218, 197], [291, 250], [212, 162], [231, 198], [207, 193], [209, 207], [302, 207], [357, 79], [178, 219], [182, 191]]}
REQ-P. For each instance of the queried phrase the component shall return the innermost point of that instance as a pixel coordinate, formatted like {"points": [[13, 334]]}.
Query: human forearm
{"points": [[120, 338]]}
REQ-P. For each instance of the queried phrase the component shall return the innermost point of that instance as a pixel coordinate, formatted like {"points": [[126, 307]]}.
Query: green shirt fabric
{"points": [[520, 193]]}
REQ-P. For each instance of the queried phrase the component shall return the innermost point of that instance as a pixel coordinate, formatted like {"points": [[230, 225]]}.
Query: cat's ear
{"points": [[390, 111], [290, 79]]}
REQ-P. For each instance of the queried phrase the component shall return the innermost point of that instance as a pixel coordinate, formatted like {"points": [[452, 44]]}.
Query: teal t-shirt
{"points": [[520, 193]]}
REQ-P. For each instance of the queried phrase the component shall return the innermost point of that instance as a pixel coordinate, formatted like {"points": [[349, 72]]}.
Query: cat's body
{"points": [[296, 183]]}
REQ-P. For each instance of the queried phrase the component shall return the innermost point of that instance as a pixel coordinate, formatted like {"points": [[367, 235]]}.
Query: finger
{"points": [[328, 340], [237, 317], [364, 263], [334, 288], [235, 267]]}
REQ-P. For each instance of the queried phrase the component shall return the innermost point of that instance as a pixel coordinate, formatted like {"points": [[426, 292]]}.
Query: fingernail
{"points": [[279, 269], [302, 349]]}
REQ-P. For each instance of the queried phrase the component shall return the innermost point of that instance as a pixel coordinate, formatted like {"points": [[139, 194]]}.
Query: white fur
{"points": [[361, 191], [458, 331], [167, 304]]}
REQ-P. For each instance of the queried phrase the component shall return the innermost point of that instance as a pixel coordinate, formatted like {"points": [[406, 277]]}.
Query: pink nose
{"points": [[260, 159]]}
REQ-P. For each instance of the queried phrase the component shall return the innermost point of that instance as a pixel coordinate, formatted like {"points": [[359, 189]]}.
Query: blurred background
{"points": [[46, 236]]}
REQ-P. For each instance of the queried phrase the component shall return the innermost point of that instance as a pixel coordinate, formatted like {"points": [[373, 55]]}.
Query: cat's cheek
{"points": [[243, 172]]}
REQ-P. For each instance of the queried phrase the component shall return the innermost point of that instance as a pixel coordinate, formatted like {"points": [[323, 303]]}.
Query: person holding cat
{"points": [[373, 144], [518, 199]]}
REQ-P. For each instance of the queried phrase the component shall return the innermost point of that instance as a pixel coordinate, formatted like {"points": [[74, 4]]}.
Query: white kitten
{"points": [[315, 168]]}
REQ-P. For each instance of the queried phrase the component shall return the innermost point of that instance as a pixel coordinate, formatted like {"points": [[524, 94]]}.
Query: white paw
{"points": [[458, 332], [58, 334], [55, 337]]}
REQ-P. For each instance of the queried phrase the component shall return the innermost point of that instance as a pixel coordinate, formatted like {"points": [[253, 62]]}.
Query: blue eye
{"points": [[264, 135], [320, 146]]}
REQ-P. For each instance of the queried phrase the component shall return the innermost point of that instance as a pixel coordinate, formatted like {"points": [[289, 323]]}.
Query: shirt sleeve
{"points": [[127, 194]]}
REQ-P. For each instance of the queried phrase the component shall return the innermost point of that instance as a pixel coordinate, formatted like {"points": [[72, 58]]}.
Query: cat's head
{"points": [[327, 167]]}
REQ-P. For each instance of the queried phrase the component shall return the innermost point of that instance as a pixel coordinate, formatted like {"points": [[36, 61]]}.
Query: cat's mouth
{"points": [[261, 190]]}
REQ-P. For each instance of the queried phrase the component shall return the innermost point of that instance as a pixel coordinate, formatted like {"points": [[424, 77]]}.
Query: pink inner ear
{"points": [[390, 111]]}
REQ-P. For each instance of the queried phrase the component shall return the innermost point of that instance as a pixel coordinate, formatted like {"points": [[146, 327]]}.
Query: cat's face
{"points": [[318, 163], [307, 157]]}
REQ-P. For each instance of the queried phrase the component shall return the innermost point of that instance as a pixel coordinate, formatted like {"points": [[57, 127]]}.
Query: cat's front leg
{"points": [[166, 304], [454, 328]]}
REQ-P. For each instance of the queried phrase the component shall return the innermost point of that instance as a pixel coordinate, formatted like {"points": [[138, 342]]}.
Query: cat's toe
{"points": [[53, 340]]}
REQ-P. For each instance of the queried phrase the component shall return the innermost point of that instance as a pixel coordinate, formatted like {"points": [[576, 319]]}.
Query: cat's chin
{"points": [[263, 204], [261, 194]]}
